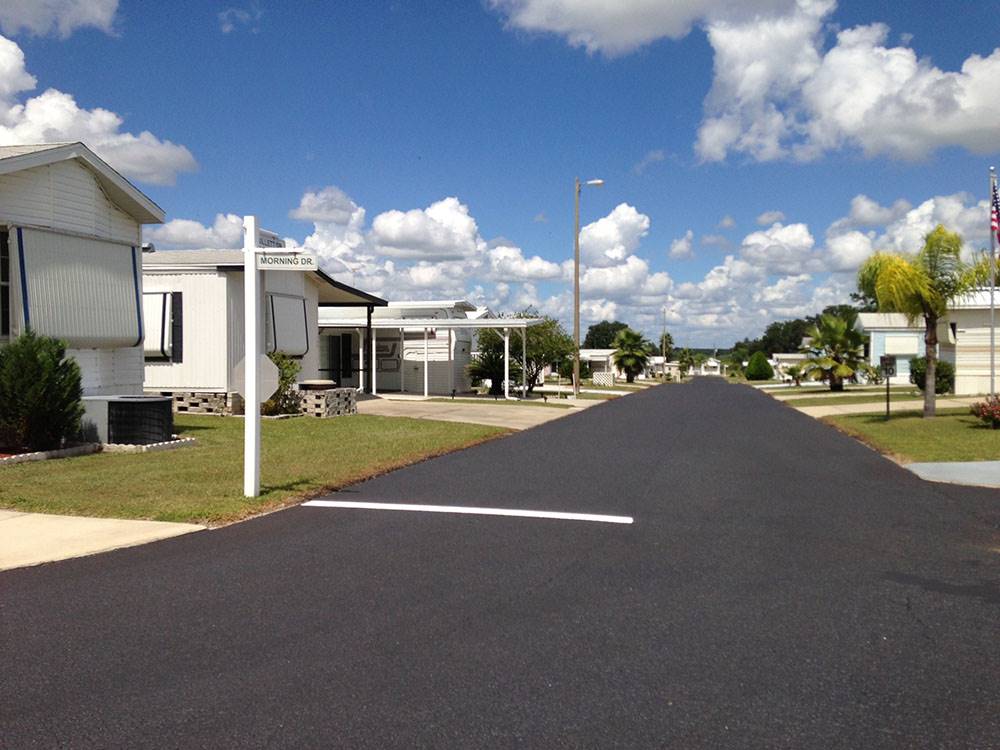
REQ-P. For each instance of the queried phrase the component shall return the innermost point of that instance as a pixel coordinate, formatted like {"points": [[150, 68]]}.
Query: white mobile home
{"points": [[193, 302], [70, 235], [891, 334], [965, 341]]}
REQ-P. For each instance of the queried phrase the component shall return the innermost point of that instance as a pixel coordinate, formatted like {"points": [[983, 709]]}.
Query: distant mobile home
{"points": [[399, 333], [193, 302], [70, 235]]}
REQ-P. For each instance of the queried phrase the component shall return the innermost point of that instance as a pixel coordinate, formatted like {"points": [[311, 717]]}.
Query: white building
{"points": [[964, 341], [70, 267], [398, 330], [891, 334], [193, 301]]}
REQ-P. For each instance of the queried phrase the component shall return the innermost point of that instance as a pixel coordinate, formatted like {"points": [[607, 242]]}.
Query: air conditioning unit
{"points": [[129, 420]]}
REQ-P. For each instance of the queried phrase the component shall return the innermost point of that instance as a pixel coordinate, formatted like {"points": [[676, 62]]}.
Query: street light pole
{"points": [[577, 185], [576, 287]]}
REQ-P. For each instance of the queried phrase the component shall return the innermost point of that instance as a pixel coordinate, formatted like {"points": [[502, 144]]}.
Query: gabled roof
{"points": [[122, 192], [332, 293], [884, 321]]}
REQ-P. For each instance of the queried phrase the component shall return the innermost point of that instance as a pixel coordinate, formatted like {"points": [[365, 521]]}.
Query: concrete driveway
{"points": [[509, 415]]}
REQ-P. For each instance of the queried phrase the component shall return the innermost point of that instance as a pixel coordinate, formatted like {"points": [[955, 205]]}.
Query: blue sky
{"points": [[430, 147]]}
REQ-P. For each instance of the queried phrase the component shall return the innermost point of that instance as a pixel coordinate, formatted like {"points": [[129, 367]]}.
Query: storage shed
{"points": [[70, 234], [193, 303]]}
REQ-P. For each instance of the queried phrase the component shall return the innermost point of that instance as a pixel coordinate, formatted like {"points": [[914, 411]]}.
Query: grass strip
{"points": [[203, 484], [953, 435]]}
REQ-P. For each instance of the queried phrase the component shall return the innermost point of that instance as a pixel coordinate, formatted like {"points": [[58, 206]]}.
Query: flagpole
{"points": [[993, 283]]}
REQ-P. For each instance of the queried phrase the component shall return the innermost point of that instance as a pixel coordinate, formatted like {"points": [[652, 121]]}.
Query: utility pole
{"points": [[994, 212]]}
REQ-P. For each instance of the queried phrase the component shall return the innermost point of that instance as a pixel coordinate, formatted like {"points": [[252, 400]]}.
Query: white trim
{"points": [[470, 510]]}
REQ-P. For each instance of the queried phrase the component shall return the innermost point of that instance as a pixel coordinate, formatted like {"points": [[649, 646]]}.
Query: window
{"points": [[162, 313], [4, 284], [287, 325]]}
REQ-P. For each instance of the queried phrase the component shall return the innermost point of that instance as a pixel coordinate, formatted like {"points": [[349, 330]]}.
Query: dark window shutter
{"points": [[346, 342], [177, 327]]}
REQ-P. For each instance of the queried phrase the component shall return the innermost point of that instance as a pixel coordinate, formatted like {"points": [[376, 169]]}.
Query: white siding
{"points": [[110, 371], [971, 352], [203, 336], [442, 376], [64, 196], [283, 282]]}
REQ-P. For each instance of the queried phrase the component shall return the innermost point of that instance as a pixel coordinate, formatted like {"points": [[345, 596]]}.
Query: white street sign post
{"points": [[255, 261]]}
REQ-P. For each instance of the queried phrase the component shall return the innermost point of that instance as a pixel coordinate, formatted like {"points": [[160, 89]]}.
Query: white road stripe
{"points": [[470, 510]]}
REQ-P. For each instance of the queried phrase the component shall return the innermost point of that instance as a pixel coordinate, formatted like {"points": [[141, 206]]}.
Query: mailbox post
{"points": [[887, 364]]}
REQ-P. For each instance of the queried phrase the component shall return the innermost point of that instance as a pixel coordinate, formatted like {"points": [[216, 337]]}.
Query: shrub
{"points": [[758, 368], [944, 378], [40, 392], [286, 399], [566, 369], [988, 411]]}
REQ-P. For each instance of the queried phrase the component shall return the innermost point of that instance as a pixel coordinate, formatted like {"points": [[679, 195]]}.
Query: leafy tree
{"points": [[547, 343], [758, 368], [784, 336], [922, 286], [686, 361], [836, 351], [602, 335], [630, 353], [40, 394]]}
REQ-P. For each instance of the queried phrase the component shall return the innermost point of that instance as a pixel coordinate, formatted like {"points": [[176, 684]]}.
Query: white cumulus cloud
{"points": [[54, 116], [60, 17], [779, 93], [612, 238], [681, 248], [225, 232]]}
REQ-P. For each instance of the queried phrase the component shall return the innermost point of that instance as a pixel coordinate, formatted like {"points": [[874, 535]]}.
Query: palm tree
{"points": [[686, 361], [922, 285], [836, 351], [631, 353]]}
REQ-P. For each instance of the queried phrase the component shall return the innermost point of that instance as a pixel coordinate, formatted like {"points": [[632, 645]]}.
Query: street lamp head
{"points": [[595, 183]]}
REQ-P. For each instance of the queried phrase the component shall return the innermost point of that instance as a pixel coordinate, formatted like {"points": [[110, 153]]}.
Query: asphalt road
{"points": [[782, 586]]}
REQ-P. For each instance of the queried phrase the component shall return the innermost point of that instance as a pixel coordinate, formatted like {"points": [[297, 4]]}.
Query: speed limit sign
{"points": [[888, 365]]}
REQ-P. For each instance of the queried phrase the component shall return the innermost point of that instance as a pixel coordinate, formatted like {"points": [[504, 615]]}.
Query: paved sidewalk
{"points": [[511, 416], [970, 473], [33, 538], [897, 406]]}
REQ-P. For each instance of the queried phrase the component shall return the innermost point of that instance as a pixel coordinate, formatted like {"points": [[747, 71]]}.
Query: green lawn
{"points": [[553, 403], [953, 435], [203, 483], [901, 394]]}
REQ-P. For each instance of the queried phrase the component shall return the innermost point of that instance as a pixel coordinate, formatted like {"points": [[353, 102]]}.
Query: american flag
{"points": [[995, 212]]}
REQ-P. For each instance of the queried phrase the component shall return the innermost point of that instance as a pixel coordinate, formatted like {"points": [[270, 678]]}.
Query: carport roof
{"points": [[396, 323]]}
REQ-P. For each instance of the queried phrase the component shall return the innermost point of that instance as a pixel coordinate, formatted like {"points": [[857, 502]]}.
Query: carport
{"points": [[396, 328]]}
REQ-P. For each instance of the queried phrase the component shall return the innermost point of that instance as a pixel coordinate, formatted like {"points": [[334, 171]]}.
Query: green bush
{"points": [[566, 369], [286, 399], [40, 392], [944, 375], [988, 411], [758, 368]]}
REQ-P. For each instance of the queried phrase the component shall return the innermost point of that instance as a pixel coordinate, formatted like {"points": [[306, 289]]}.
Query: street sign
{"points": [[286, 261], [888, 365], [268, 378]]}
